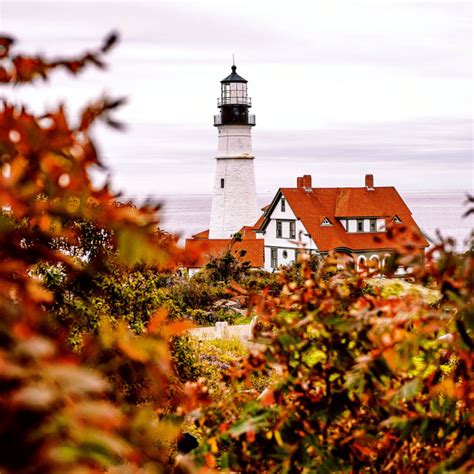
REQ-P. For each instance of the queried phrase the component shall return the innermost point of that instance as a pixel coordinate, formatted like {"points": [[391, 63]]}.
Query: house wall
{"points": [[372, 255], [302, 241]]}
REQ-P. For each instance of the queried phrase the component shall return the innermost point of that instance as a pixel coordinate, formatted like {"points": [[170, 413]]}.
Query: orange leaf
{"points": [[210, 460], [157, 320], [178, 327], [267, 398], [366, 451]]}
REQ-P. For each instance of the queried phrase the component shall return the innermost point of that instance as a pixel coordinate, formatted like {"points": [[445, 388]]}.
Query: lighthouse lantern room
{"points": [[234, 202], [234, 101]]}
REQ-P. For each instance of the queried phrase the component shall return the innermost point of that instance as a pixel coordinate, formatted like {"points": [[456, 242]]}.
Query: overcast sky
{"points": [[340, 88]]}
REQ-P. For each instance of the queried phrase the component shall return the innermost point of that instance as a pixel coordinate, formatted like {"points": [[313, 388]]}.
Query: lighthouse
{"points": [[234, 202]]}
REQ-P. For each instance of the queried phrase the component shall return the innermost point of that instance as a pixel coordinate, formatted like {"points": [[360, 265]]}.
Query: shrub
{"points": [[73, 266], [364, 383]]}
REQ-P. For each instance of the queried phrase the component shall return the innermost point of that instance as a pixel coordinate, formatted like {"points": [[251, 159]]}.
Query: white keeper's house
{"points": [[348, 220], [305, 218]]}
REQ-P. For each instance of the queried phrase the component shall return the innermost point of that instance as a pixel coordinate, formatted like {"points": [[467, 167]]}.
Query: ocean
{"points": [[189, 214]]}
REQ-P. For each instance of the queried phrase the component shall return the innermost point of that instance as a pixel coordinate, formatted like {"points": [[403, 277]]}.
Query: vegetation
{"points": [[98, 373], [110, 399], [365, 383]]}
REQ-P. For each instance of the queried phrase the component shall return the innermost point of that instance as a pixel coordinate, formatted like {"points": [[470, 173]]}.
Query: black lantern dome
{"points": [[234, 101], [234, 77]]}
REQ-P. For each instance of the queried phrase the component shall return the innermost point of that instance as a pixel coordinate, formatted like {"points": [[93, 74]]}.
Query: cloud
{"points": [[340, 88]]}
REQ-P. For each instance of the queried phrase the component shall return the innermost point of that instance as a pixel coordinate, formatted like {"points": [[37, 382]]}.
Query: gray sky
{"points": [[340, 88]]}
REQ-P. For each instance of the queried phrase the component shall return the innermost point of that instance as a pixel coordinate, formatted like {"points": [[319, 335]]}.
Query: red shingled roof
{"points": [[204, 234], [260, 220], [312, 205], [248, 232], [216, 247]]}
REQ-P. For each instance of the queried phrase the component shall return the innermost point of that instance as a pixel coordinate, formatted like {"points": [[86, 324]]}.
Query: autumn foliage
{"points": [[355, 381], [362, 382], [63, 409]]}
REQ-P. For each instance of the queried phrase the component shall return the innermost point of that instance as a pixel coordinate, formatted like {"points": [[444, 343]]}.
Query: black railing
{"points": [[235, 100], [249, 120]]}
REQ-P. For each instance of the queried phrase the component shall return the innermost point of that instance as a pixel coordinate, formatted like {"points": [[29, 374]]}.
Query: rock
{"points": [[253, 323], [221, 329], [219, 303], [226, 304]]}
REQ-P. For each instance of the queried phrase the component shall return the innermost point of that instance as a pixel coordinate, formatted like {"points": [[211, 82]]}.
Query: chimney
{"points": [[307, 182], [369, 182], [304, 182]]}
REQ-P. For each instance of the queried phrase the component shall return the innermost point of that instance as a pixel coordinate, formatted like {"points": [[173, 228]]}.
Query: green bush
{"points": [[185, 358]]}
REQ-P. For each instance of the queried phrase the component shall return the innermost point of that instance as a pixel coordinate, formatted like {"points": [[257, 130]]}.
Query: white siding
{"points": [[380, 225], [302, 240]]}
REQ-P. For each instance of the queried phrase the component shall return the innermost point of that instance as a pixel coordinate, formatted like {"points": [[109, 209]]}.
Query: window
{"points": [[274, 258], [285, 254], [283, 204], [361, 262], [396, 220], [279, 229], [376, 260], [360, 225], [373, 225], [326, 221], [292, 229], [222, 183]]}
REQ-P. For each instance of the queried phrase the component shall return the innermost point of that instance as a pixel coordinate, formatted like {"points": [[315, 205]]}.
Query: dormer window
{"points": [[373, 225], [360, 225], [283, 204], [396, 220], [326, 222]]}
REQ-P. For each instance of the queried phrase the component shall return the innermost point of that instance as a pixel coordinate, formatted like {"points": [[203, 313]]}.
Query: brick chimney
{"points": [[307, 182], [304, 182], [369, 182]]}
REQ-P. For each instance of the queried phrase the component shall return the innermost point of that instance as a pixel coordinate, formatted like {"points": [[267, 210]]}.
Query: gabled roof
{"points": [[216, 247], [260, 220], [360, 202], [312, 205], [204, 234], [248, 232]]}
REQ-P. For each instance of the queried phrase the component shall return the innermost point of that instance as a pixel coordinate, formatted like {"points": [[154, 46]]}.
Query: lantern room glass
{"points": [[234, 93]]}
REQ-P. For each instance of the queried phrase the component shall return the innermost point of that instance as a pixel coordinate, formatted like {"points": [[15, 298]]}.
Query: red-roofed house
{"points": [[318, 220], [251, 243], [217, 247], [350, 220]]}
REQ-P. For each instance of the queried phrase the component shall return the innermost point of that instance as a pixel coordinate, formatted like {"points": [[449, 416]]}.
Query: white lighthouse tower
{"points": [[234, 203]]}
